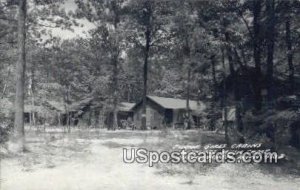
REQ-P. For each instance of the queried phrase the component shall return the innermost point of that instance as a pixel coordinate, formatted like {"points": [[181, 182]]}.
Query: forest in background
{"points": [[226, 53]]}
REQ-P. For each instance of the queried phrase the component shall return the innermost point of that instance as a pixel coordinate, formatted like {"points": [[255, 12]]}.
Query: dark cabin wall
{"points": [[158, 116], [155, 115], [122, 116], [169, 117]]}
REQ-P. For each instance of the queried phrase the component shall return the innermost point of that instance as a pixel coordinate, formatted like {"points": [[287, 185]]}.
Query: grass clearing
{"points": [[93, 160]]}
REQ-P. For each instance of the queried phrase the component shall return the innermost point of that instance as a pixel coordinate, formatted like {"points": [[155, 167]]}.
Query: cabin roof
{"points": [[58, 106], [31, 108], [79, 105], [126, 106], [176, 103], [76, 106]]}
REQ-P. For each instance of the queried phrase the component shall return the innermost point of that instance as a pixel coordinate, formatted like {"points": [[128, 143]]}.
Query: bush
{"points": [[280, 127], [6, 127]]}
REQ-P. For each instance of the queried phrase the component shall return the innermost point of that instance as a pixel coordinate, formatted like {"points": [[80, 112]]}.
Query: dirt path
{"points": [[101, 167]]}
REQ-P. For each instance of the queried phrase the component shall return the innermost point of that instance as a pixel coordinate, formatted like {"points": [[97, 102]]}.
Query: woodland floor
{"points": [[92, 160]]}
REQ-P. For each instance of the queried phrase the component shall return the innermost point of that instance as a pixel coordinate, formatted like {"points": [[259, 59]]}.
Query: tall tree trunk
{"points": [[144, 117], [115, 93], [32, 92], [89, 122], [115, 65], [146, 57], [213, 71], [214, 100], [128, 93], [224, 100], [288, 41], [97, 118], [187, 61], [257, 54], [19, 133], [5, 84], [4, 91], [67, 109], [59, 119], [270, 5], [237, 97], [188, 87]]}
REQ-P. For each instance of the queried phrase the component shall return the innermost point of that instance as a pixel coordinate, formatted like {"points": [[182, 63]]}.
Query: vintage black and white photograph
{"points": [[149, 94]]}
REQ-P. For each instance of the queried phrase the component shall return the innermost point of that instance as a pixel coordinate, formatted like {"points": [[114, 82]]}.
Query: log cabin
{"points": [[167, 112]]}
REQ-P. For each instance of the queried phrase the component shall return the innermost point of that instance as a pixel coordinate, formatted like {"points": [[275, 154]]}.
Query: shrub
{"points": [[6, 126]]}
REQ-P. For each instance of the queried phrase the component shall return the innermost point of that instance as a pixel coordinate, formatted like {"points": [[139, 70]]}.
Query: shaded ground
{"points": [[92, 160]]}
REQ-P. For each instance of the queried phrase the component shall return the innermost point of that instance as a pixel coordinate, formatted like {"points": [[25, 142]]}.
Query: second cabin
{"points": [[170, 112]]}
